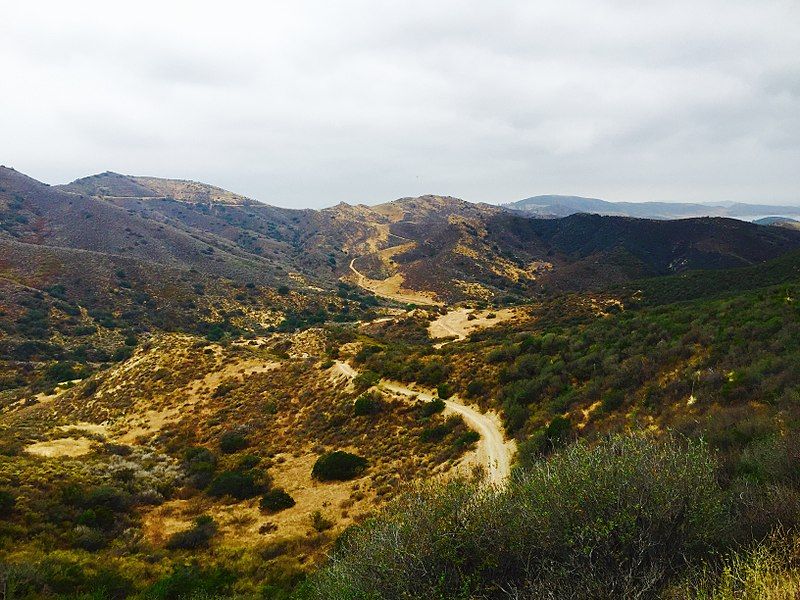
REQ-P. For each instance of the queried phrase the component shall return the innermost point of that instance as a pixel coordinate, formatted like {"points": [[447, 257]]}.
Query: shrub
{"points": [[247, 462], [238, 484], [612, 401], [198, 536], [768, 570], [366, 380], [231, 442], [200, 464], [437, 432], [7, 502], [367, 404], [88, 538], [467, 439], [475, 388], [428, 409], [276, 500], [62, 371], [338, 466], [444, 391], [190, 581], [319, 522]]}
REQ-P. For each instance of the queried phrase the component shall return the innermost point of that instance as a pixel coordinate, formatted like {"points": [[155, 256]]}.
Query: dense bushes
{"points": [[364, 381], [191, 581], [614, 520], [338, 466]]}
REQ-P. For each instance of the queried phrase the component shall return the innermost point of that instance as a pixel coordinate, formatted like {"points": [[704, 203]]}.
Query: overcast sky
{"points": [[305, 103]]}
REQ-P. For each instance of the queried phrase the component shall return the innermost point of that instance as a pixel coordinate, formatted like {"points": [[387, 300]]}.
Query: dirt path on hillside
{"points": [[392, 287], [493, 452]]}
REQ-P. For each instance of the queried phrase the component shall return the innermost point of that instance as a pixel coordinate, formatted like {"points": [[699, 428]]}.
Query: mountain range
{"points": [[554, 206], [437, 247]]}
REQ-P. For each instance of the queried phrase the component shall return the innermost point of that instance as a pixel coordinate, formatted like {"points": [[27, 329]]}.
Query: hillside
{"points": [[113, 185]]}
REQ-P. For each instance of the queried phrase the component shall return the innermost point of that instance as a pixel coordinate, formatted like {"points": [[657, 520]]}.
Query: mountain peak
{"points": [[115, 185]]}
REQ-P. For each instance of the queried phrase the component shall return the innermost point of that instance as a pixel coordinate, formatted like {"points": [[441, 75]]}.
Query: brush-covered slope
{"points": [[114, 185], [489, 254]]}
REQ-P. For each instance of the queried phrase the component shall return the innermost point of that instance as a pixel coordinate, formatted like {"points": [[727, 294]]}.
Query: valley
{"points": [[266, 399]]}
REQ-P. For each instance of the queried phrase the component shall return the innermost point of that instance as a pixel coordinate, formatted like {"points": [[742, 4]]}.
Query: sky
{"points": [[308, 103]]}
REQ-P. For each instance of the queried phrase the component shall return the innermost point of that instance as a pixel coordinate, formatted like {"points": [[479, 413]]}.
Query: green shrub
{"points": [[247, 462], [428, 409], [231, 442], [319, 522], [276, 500], [191, 581], [198, 536], [364, 381], [89, 539], [238, 484], [62, 371], [438, 432], [338, 466], [467, 439], [200, 464], [7, 502], [444, 391], [367, 404], [476, 388]]}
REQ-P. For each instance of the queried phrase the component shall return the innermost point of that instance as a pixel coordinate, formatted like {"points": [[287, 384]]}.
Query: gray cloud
{"points": [[307, 103]]}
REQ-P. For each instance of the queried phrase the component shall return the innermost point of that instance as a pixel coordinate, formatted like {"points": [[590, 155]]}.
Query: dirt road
{"points": [[391, 288], [493, 452]]}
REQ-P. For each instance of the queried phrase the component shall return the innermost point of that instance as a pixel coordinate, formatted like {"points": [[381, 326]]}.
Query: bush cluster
{"points": [[612, 521]]}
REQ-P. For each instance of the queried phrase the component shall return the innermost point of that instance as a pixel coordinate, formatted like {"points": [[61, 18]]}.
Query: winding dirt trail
{"points": [[391, 288], [493, 451]]}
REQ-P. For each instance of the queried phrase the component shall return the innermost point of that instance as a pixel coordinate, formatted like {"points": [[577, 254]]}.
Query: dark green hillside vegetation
{"points": [[703, 284]]}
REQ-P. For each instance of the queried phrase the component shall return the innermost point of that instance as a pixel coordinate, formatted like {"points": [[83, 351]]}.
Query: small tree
{"points": [[366, 380], [338, 466], [276, 500], [231, 442], [238, 484], [7, 502], [367, 404]]}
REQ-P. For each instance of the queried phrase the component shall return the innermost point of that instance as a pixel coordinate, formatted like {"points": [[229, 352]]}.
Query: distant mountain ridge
{"points": [[554, 206], [439, 245]]}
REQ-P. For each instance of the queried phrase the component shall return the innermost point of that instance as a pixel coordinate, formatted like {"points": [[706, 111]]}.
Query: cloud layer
{"points": [[306, 103]]}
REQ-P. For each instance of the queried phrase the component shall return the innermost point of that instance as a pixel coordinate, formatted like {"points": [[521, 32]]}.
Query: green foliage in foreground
{"points": [[617, 520]]}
